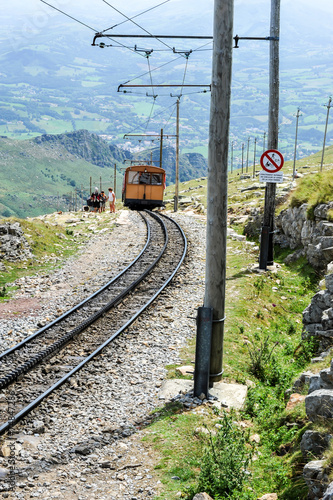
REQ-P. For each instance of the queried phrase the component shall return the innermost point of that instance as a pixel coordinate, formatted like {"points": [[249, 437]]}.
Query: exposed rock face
{"points": [[295, 230], [318, 316], [13, 245]]}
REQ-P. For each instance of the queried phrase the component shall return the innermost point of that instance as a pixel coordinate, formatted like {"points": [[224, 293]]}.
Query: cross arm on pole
{"points": [[237, 38]]}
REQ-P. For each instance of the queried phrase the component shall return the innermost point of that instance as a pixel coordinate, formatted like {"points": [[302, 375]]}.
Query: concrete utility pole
{"points": [[177, 161], [254, 158], [218, 180], [247, 154], [294, 166], [328, 112], [263, 143], [266, 244], [243, 158]]}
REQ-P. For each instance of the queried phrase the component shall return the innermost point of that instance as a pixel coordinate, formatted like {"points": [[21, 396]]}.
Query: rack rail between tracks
{"points": [[172, 258]]}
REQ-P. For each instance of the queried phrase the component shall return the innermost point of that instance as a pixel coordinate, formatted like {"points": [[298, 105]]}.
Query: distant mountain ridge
{"points": [[55, 172], [88, 146]]}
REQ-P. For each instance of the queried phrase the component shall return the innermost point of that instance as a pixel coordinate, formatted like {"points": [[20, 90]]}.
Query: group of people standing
{"points": [[97, 201]]}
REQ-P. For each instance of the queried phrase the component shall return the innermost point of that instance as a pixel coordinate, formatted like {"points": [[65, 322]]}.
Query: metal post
{"points": [[328, 112], [177, 161], [247, 154], [243, 157], [202, 351], [273, 126], [294, 166], [254, 158], [217, 183], [161, 148]]}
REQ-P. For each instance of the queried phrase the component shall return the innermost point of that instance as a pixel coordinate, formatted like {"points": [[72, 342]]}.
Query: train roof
{"points": [[148, 168]]}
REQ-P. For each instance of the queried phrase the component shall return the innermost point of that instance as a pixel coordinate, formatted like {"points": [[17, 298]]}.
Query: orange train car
{"points": [[143, 187]]}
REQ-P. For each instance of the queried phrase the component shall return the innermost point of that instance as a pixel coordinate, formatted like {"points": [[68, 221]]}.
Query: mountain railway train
{"points": [[143, 187]]}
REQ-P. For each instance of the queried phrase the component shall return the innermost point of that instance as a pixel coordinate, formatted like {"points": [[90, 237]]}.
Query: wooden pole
{"points": [[115, 180], [328, 112], [294, 165], [217, 181], [267, 256], [177, 161]]}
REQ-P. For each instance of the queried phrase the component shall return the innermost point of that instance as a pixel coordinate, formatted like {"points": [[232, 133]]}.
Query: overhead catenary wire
{"points": [[87, 26], [137, 15], [136, 24], [163, 65]]}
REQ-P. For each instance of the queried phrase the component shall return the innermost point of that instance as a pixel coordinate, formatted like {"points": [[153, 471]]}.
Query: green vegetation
{"points": [[51, 244], [313, 190]]}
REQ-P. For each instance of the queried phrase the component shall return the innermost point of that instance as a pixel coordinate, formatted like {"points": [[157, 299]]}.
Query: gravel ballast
{"points": [[85, 441]]}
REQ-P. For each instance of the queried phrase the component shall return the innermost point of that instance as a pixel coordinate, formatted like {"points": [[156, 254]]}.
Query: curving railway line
{"points": [[60, 349]]}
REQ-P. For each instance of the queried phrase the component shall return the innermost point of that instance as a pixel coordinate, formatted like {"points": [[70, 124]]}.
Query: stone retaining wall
{"points": [[313, 237]]}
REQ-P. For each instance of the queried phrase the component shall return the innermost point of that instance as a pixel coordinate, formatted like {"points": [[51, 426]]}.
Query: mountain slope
{"points": [[53, 172]]}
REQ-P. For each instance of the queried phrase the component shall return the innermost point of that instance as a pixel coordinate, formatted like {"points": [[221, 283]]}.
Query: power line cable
{"points": [[141, 13], [136, 24], [155, 69], [87, 26]]}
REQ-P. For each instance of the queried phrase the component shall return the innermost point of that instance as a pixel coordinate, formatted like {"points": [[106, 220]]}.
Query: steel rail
{"points": [[78, 306], [65, 339], [25, 411]]}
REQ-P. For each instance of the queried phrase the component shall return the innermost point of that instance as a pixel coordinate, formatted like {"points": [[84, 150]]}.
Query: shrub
{"points": [[224, 467]]}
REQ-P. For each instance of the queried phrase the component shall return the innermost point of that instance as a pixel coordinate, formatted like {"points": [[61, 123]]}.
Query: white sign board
{"points": [[270, 177]]}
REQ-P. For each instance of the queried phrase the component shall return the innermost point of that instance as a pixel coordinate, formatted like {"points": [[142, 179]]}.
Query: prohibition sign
{"points": [[272, 161]]}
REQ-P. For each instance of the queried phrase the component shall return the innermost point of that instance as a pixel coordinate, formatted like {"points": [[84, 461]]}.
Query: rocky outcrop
{"points": [[316, 478], [88, 146], [318, 316], [13, 245], [315, 237]]}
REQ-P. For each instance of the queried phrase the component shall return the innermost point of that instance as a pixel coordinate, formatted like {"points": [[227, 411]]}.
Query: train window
{"points": [[156, 179], [145, 178], [133, 177]]}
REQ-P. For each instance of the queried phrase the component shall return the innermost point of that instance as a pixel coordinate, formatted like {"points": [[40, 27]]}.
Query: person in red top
{"points": [[112, 200]]}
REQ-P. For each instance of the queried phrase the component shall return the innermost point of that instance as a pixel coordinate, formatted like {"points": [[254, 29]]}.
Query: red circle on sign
{"points": [[272, 161]]}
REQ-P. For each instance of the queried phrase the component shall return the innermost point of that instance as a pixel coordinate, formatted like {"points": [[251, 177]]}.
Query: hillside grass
{"points": [[51, 241]]}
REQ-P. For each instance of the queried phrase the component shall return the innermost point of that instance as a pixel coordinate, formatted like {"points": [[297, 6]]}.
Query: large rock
{"points": [[316, 478], [319, 405], [13, 245], [313, 443]]}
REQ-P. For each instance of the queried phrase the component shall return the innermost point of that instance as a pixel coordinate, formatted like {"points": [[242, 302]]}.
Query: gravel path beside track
{"points": [[85, 442]]}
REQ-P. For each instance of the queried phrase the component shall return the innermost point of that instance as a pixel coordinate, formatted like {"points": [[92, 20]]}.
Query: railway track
{"points": [[36, 367]]}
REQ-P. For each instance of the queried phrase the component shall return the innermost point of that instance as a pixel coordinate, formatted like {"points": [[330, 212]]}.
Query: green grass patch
{"points": [[313, 190]]}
